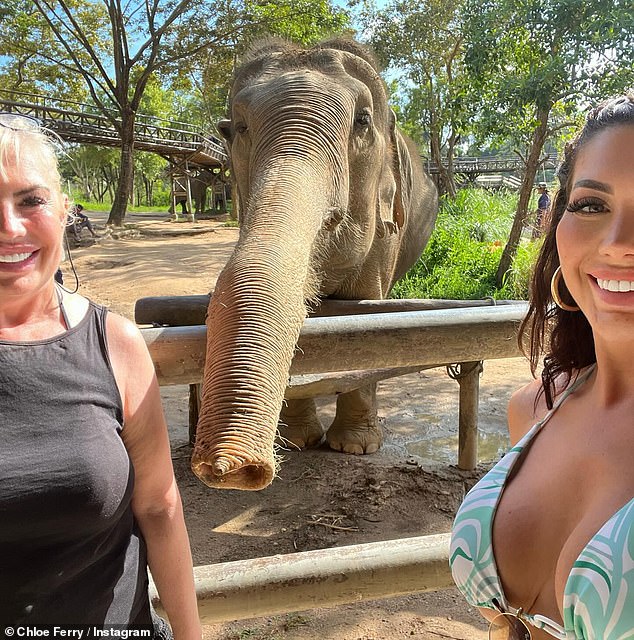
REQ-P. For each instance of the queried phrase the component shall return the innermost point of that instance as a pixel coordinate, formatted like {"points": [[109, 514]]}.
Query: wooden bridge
{"points": [[475, 166], [192, 155], [78, 122]]}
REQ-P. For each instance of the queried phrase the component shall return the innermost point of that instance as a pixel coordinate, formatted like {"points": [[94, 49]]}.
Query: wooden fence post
{"points": [[467, 375]]}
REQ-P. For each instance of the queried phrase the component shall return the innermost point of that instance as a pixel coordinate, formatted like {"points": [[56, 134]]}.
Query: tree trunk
{"points": [[526, 190], [448, 172], [126, 171], [436, 158], [102, 189]]}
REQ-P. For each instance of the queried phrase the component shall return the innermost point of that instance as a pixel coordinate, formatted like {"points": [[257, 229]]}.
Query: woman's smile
{"points": [[613, 292], [14, 261], [595, 236], [615, 285]]}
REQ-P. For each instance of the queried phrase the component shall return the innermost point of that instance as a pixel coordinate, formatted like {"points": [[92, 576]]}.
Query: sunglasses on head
{"points": [[509, 626], [19, 122]]}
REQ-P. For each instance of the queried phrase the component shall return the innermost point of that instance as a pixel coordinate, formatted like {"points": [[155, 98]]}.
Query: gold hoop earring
{"points": [[554, 292]]}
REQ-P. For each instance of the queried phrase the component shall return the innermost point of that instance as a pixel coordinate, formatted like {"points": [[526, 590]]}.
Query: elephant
{"points": [[334, 202], [199, 185]]}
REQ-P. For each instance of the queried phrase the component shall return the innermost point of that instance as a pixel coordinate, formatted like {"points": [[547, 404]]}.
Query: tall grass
{"points": [[463, 253]]}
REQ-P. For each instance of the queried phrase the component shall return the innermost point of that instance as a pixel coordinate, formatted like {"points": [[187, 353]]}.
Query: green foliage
{"points": [[529, 57], [302, 21], [518, 277], [533, 63], [91, 205], [423, 41], [27, 52], [461, 258]]}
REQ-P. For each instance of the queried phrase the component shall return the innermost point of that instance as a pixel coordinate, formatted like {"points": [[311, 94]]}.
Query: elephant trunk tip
{"points": [[223, 474]]}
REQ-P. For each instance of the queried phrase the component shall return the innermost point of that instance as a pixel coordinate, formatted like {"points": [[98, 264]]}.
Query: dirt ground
{"points": [[321, 498]]}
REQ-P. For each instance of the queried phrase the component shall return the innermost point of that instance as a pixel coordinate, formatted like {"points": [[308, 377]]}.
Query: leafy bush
{"points": [[463, 253], [517, 280]]}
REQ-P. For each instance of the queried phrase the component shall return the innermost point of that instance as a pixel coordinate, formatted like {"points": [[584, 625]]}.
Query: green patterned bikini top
{"points": [[599, 593]]}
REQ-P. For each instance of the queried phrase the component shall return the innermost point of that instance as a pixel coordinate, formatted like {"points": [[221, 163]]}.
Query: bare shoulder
{"points": [[130, 359], [523, 411], [126, 344], [121, 330]]}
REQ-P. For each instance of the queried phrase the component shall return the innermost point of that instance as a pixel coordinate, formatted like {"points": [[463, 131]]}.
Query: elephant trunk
{"points": [[253, 323]]}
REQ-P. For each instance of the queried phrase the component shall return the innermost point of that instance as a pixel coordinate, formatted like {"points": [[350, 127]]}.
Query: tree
{"points": [[23, 70], [302, 21], [534, 63], [93, 169], [116, 49], [149, 168], [425, 41]]}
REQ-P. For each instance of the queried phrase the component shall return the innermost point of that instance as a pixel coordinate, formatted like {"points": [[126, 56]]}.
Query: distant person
{"points": [[543, 205], [183, 205], [80, 221]]}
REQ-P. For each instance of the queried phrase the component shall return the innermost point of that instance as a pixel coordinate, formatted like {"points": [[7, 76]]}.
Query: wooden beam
{"points": [[172, 311], [322, 578], [185, 311], [468, 377], [313, 385], [374, 341]]}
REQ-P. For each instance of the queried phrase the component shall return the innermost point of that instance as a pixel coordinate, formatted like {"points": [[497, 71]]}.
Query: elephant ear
{"points": [[390, 209], [225, 129], [396, 184]]}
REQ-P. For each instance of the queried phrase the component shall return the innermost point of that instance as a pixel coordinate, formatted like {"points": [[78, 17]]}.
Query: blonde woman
{"points": [[88, 497]]}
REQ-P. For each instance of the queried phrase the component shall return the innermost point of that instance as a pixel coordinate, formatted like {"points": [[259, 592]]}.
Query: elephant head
{"points": [[330, 205]]}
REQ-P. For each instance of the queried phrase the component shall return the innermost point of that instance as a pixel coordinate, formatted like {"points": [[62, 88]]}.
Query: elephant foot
{"points": [[355, 439], [355, 428], [299, 424]]}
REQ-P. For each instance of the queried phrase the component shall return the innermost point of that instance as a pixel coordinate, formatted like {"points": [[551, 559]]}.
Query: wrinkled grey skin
{"points": [[333, 202]]}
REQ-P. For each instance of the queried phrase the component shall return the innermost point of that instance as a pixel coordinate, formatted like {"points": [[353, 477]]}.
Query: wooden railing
{"points": [[360, 340], [379, 344], [489, 164], [321, 578], [77, 122]]}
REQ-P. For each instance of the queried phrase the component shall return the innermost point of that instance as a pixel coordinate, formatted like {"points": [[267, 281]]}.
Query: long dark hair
{"points": [[564, 336]]}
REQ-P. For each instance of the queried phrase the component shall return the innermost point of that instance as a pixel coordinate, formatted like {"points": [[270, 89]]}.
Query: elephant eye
{"points": [[363, 119], [241, 127]]}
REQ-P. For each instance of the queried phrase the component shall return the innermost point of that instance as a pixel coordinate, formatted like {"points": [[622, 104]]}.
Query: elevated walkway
{"points": [[78, 122], [476, 166], [190, 153]]}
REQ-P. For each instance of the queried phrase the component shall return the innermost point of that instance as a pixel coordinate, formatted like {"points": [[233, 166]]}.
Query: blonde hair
{"points": [[16, 143]]}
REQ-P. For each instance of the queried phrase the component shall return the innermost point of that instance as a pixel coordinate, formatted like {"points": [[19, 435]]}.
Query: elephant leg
{"points": [[299, 423], [355, 428]]}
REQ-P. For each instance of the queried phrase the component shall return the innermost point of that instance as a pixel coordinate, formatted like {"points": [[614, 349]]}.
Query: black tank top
{"points": [[70, 548]]}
